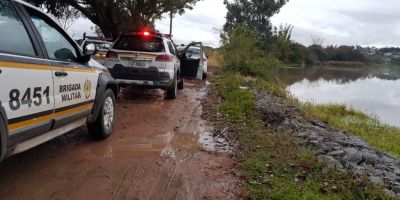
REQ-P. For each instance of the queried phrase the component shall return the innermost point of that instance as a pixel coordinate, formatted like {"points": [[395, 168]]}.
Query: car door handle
{"points": [[61, 74]]}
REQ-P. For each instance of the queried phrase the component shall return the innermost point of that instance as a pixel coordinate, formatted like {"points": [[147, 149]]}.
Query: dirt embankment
{"points": [[160, 150], [341, 150]]}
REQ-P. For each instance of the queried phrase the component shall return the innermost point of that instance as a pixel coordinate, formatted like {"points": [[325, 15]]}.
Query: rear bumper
{"points": [[150, 77]]}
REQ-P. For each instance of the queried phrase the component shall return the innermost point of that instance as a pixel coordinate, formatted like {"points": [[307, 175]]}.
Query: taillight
{"points": [[164, 58], [146, 33], [112, 54]]}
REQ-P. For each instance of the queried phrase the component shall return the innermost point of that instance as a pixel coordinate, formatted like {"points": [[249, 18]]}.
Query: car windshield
{"points": [[103, 46], [192, 52], [140, 43]]}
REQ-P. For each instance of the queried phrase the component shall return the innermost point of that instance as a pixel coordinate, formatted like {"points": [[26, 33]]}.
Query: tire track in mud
{"points": [[154, 153]]}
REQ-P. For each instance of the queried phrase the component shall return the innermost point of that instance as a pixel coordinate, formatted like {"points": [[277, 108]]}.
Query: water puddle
{"points": [[211, 141], [184, 132], [134, 146]]}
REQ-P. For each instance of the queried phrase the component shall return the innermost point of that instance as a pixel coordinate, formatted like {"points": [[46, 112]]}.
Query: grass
{"points": [[383, 137], [275, 165], [383, 65]]}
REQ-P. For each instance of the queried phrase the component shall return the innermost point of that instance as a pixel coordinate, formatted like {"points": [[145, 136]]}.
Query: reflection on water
{"points": [[372, 90]]}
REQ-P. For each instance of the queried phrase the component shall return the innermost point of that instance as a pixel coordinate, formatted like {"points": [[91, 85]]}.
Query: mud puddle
{"points": [[160, 150]]}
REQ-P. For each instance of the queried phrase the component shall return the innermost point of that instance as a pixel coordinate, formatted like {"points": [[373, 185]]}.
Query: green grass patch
{"points": [[275, 165], [384, 65], [383, 137]]}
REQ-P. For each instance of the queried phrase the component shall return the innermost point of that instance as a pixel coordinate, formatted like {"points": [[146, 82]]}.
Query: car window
{"points": [[101, 46], [57, 46], [171, 48], [13, 36], [193, 52], [140, 43]]}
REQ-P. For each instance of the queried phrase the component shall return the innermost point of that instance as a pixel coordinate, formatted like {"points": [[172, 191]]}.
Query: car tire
{"points": [[172, 90], [181, 84], [105, 122], [204, 76], [3, 134]]}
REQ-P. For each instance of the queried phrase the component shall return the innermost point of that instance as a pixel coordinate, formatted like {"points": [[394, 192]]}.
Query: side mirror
{"points": [[89, 49]]}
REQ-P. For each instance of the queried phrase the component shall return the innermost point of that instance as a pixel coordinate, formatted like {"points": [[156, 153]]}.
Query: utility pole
{"points": [[170, 23]]}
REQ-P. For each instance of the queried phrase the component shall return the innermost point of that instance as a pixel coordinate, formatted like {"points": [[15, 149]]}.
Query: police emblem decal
{"points": [[87, 89]]}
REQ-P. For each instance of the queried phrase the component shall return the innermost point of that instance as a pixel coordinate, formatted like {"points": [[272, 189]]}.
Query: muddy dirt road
{"points": [[160, 150]]}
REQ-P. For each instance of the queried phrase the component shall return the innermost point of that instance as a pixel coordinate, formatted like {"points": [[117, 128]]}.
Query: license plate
{"points": [[138, 64]]}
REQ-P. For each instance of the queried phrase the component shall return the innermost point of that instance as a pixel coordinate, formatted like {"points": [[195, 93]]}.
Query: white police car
{"points": [[146, 59], [47, 86]]}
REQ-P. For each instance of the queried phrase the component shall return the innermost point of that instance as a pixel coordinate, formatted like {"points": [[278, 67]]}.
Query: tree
{"points": [[317, 40], [69, 17], [115, 17], [282, 48], [298, 53], [97, 30], [254, 14]]}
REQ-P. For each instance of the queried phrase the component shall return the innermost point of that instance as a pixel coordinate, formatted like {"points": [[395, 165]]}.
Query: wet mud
{"points": [[160, 150]]}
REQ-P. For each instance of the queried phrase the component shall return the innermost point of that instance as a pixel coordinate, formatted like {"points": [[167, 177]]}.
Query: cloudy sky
{"points": [[350, 22]]}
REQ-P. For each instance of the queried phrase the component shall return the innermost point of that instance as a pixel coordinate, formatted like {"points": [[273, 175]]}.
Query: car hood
{"points": [[95, 64]]}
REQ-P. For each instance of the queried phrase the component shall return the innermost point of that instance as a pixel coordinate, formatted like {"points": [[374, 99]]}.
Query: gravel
{"points": [[339, 149]]}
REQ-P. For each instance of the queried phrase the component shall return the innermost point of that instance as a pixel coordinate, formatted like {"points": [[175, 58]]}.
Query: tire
{"points": [[3, 135], [103, 127], [181, 84], [204, 76], [172, 90]]}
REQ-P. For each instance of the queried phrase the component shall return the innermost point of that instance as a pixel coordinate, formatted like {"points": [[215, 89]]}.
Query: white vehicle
{"points": [[146, 59], [102, 47], [194, 61], [48, 85]]}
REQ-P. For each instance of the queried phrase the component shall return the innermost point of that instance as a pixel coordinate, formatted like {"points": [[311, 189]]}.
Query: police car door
{"points": [[26, 82], [192, 62], [73, 82]]}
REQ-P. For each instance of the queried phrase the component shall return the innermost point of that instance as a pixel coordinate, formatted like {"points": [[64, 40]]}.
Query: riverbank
{"points": [[278, 164], [383, 137]]}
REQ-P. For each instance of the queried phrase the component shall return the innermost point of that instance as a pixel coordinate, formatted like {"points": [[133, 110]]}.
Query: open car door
{"points": [[192, 61]]}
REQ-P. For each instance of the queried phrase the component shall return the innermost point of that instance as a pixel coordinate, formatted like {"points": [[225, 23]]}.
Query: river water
{"points": [[374, 90]]}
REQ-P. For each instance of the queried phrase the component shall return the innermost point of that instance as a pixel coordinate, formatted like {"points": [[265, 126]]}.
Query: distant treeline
{"points": [[316, 54]]}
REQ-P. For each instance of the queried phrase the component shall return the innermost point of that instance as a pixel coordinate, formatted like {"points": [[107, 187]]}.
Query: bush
{"points": [[240, 54]]}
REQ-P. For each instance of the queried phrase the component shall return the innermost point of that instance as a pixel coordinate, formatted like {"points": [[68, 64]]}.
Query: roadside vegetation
{"points": [[251, 52], [275, 165]]}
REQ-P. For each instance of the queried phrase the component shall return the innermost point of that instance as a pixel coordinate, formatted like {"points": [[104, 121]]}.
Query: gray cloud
{"points": [[351, 22]]}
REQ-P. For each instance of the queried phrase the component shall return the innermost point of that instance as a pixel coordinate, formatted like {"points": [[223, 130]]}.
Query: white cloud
{"points": [[198, 24], [350, 22]]}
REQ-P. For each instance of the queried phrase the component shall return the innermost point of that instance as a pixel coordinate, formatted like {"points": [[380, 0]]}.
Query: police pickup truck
{"points": [[48, 85]]}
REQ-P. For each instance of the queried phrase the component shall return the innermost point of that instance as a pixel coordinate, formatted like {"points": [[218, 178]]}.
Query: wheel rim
{"points": [[108, 113]]}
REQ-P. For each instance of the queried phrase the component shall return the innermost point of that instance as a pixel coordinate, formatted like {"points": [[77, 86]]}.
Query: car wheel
{"points": [[204, 76], [104, 124], [172, 90], [3, 134], [181, 84]]}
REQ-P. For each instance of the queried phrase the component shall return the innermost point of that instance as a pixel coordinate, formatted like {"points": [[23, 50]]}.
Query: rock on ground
{"points": [[340, 150]]}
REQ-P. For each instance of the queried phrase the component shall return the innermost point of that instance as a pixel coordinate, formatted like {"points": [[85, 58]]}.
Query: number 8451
{"points": [[30, 93]]}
